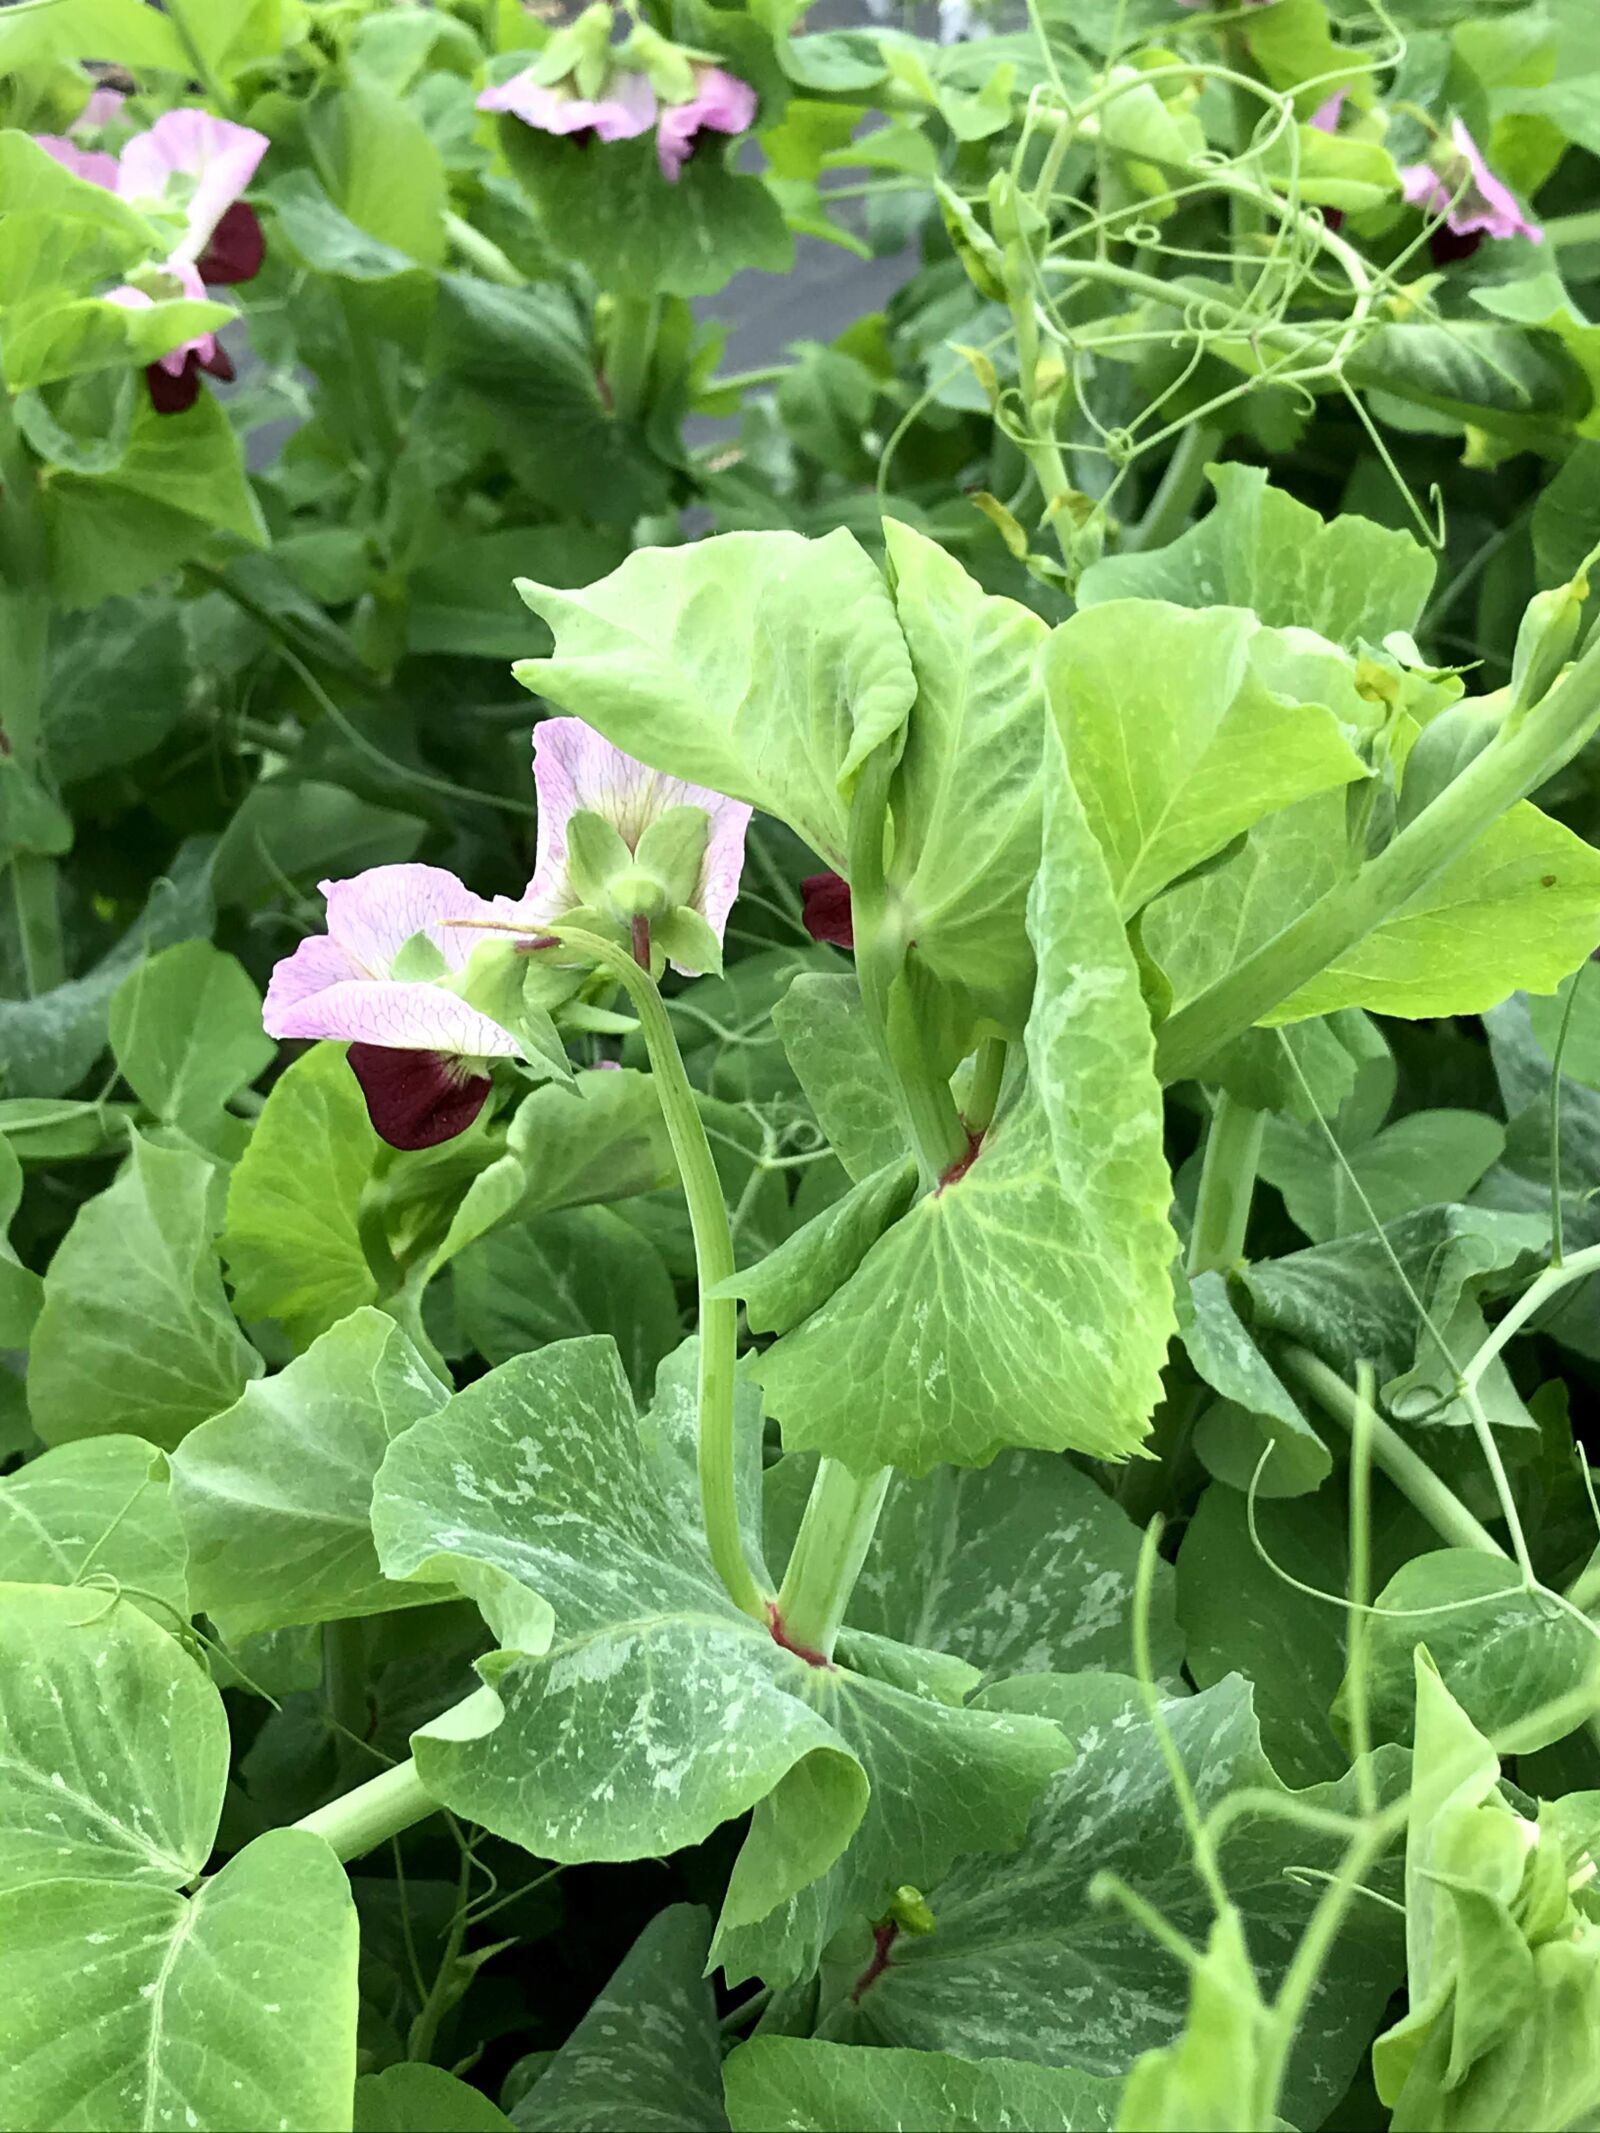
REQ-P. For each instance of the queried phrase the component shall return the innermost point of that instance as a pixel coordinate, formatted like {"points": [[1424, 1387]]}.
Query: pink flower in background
{"points": [[1461, 188], [576, 768], [1326, 116], [419, 1051], [198, 166], [102, 109], [721, 104], [627, 108]]}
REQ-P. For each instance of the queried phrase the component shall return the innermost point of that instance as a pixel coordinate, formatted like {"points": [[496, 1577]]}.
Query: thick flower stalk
{"points": [[188, 172]]}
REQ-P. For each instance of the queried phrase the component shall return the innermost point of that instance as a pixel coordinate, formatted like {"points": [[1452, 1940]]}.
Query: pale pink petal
{"points": [[217, 158], [627, 109], [576, 768], [721, 103], [1326, 116], [409, 1017], [92, 164], [373, 915], [1470, 198], [203, 345], [315, 965], [101, 109]]}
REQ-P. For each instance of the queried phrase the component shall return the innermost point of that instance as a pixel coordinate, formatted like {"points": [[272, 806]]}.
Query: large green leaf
{"points": [[293, 1241], [1221, 740], [1022, 1963], [98, 1510], [1422, 1160], [634, 1708], [186, 1032], [263, 1957], [122, 30], [966, 796], [21, 1290], [117, 687], [1254, 1407], [639, 235], [763, 665], [136, 1336], [647, 2055], [818, 1258], [413, 2097], [48, 340], [276, 1494], [116, 1745], [807, 2086], [1028, 1301], [824, 1031], [1345, 578]]}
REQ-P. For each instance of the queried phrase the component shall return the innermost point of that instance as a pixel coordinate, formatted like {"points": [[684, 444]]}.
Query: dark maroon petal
{"points": [[236, 250], [1448, 245], [219, 364], [825, 908], [171, 395], [417, 1099]]}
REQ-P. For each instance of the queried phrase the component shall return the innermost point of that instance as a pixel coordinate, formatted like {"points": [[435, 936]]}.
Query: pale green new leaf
{"points": [[293, 1241], [1180, 735], [276, 1494], [763, 665], [1345, 578], [646, 2058], [136, 1336], [98, 1509], [232, 2007], [1028, 1302], [824, 1031], [966, 796], [113, 1746], [186, 1032], [634, 1708], [803, 2085]]}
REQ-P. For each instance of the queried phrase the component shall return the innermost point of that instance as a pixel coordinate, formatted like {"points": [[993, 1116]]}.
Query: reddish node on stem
{"points": [[801, 1651], [883, 1939], [962, 1164], [639, 934]]}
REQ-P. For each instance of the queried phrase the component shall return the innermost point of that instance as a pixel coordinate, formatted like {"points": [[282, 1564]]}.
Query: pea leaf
{"points": [[1423, 1159], [824, 1031], [1219, 744], [186, 1032], [634, 1707], [21, 1290], [415, 2098], [1255, 1408], [292, 1246], [805, 1270], [136, 1336], [1021, 1962], [275, 1495], [763, 665], [1027, 1302], [100, 1508], [648, 2052], [815, 2087]]}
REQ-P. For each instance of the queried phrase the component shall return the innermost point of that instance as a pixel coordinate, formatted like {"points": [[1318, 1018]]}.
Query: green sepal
{"points": [[673, 851], [418, 961], [685, 936], [669, 67], [496, 982], [596, 854], [1546, 640], [1443, 749]]}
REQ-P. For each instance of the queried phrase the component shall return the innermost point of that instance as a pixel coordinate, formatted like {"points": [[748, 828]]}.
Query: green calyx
{"points": [[657, 881], [669, 67], [583, 50]]}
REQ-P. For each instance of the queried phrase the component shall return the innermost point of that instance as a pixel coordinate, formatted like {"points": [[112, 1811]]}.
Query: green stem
{"points": [[482, 254], [359, 1821], [1411, 1475], [344, 1683], [989, 1071], [630, 347], [1181, 483], [24, 665], [830, 1548], [1514, 764], [714, 1264], [424, 2030], [1532, 1300], [1227, 1185], [743, 381], [927, 1107]]}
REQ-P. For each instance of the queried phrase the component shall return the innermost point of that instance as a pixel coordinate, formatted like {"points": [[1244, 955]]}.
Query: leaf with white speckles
{"points": [[1022, 1567], [646, 2058], [276, 1494], [1022, 1964], [804, 2085], [1028, 1302], [113, 1743], [103, 1509], [232, 2007], [639, 1708]]}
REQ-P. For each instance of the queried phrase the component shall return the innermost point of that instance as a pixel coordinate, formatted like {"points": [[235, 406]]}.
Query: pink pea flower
{"points": [[721, 104], [575, 768], [1326, 116], [102, 109], [627, 108], [419, 1051], [197, 166], [1461, 188]]}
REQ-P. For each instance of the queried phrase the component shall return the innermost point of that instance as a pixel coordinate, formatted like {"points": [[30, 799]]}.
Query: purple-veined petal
{"points": [[405, 1015], [576, 768], [721, 104], [95, 165], [217, 157], [318, 963], [373, 915], [416, 1099], [627, 108]]}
